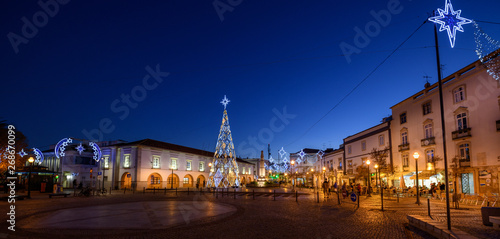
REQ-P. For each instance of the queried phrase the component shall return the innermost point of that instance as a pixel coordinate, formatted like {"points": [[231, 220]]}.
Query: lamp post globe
{"points": [[416, 156], [30, 160]]}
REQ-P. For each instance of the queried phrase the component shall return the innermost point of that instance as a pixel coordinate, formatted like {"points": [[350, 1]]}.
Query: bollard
{"points": [[338, 197], [253, 194], [165, 192], [124, 190], [317, 196], [274, 195], [429, 207], [358, 200], [382, 198], [216, 193], [397, 196]]}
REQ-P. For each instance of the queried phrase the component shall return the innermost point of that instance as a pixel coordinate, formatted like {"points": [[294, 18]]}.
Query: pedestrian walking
{"points": [[325, 188]]}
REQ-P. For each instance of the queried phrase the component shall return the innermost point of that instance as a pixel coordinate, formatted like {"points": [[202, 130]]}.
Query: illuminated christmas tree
{"points": [[224, 169]]}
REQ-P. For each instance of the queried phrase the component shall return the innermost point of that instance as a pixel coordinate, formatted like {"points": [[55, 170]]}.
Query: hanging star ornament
{"points": [[80, 149], [22, 153], [225, 101], [450, 20]]}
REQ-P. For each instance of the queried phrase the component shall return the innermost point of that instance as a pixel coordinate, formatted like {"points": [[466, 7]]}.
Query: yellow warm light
{"points": [[376, 165], [31, 160], [293, 162], [416, 155], [324, 168], [368, 162]]}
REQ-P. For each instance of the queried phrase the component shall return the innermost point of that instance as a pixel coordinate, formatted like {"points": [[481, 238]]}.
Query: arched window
{"points": [[404, 137]]}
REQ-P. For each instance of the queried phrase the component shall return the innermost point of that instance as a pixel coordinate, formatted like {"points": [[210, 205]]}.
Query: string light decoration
{"points": [[80, 148], [38, 156], [22, 153], [485, 46], [450, 20], [224, 162], [60, 148]]}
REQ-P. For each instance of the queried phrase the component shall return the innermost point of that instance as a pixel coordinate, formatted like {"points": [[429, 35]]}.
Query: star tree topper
{"points": [[225, 101], [450, 20]]}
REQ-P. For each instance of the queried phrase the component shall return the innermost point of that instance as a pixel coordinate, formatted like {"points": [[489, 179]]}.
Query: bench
{"points": [[58, 194], [495, 221]]}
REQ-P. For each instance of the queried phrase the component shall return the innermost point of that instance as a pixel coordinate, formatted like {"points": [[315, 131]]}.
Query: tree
{"points": [[455, 171], [433, 160], [380, 157], [20, 143]]}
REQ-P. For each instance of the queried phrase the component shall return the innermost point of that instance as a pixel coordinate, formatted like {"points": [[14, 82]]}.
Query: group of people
{"points": [[434, 189]]}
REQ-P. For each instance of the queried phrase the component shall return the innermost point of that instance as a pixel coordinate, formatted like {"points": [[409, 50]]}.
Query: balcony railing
{"points": [[427, 142], [406, 168], [461, 133], [464, 163], [498, 125], [404, 147]]}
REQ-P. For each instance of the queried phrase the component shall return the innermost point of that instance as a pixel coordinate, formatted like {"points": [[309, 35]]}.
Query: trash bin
{"points": [[42, 187]]}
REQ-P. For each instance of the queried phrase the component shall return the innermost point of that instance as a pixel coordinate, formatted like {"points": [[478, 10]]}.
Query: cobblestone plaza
{"points": [[244, 215]]}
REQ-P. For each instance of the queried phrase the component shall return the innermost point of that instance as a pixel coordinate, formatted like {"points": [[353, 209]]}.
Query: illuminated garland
{"points": [[485, 45], [38, 156]]}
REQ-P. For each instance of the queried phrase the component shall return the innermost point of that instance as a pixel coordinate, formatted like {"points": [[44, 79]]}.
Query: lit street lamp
{"points": [[172, 180], [415, 156], [368, 163], [294, 180], [30, 160], [377, 175], [324, 173]]}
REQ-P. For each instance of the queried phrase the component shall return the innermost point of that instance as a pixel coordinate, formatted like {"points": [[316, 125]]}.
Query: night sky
{"points": [[69, 75]]}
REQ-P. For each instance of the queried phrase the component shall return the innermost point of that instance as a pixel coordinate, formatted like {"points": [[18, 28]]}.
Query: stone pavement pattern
{"points": [[229, 218]]}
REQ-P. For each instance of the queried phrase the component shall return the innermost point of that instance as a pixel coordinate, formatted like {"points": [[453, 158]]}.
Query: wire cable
{"points": [[359, 84]]}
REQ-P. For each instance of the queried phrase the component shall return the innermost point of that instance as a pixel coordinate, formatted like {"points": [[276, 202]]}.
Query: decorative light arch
{"points": [[63, 143]]}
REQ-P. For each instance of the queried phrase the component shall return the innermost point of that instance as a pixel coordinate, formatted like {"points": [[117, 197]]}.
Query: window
{"points": [[126, 161], [459, 94], [156, 162], [464, 152], [188, 165], [381, 140], [462, 121], [173, 164], [426, 108], [185, 180], [106, 161], [363, 145], [155, 179], [402, 118], [349, 151], [349, 162], [428, 131], [340, 162], [202, 166], [404, 137], [243, 170], [406, 162], [429, 155]]}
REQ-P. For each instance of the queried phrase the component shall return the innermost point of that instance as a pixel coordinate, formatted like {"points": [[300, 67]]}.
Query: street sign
{"points": [[353, 197], [99, 173], [99, 177]]}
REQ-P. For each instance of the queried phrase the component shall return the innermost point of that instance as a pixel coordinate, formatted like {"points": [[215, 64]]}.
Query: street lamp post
{"points": [[294, 180], [369, 191], [324, 173], [30, 160], [172, 180], [415, 156], [210, 170], [312, 177], [377, 177]]}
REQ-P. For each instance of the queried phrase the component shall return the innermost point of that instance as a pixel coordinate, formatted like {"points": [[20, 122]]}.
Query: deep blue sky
{"points": [[263, 55]]}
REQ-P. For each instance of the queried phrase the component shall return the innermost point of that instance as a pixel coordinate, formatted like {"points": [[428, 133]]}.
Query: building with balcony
{"points": [[471, 99]]}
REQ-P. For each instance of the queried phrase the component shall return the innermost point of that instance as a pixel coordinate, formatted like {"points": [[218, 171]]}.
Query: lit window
{"points": [[464, 152], [173, 164], [406, 162], [426, 108], [126, 161], [243, 170], [202, 166], [462, 121], [429, 155], [363, 145], [188, 165], [185, 180], [402, 118], [459, 94], [106, 161], [381, 140], [404, 138], [428, 131], [156, 162], [155, 179]]}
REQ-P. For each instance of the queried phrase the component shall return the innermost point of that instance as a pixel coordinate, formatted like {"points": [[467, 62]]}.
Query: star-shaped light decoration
{"points": [[80, 149], [22, 153], [282, 152], [450, 20], [225, 101], [302, 154], [320, 153]]}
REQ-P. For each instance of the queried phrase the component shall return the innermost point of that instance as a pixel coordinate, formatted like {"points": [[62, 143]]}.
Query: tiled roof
{"points": [[169, 146]]}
